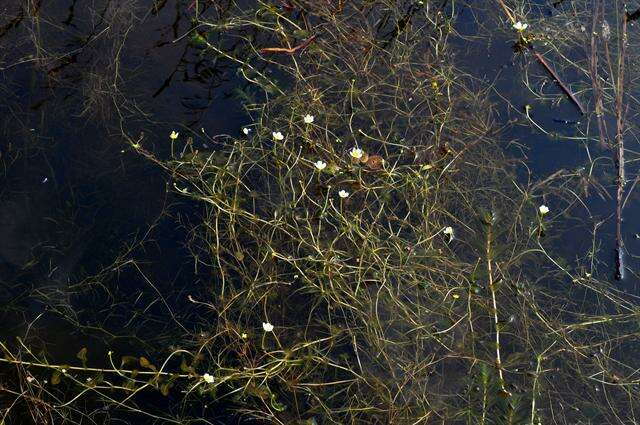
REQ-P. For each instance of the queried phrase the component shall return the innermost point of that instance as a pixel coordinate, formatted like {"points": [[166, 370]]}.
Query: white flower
{"points": [[448, 231], [244, 335], [520, 26], [543, 209], [343, 193], [320, 165], [246, 131], [356, 153], [268, 327], [207, 378], [277, 135], [173, 135], [308, 119]]}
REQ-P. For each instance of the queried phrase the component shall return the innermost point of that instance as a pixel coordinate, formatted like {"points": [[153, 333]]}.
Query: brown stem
{"points": [[507, 12], [620, 149], [557, 79], [494, 308], [289, 50], [595, 81]]}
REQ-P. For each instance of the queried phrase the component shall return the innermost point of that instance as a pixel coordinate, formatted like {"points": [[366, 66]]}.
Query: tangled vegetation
{"points": [[373, 255]]}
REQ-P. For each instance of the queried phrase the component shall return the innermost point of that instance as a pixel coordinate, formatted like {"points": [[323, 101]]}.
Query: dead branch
{"points": [[595, 81], [620, 149], [558, 81], [289, 50]]}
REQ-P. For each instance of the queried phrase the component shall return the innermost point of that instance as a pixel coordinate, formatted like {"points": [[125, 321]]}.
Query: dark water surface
{"points": [[493, 60], [79, 208], [79, 79]]}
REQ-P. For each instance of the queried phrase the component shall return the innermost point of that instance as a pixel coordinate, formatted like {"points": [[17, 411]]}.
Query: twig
{"points": [[620, 150], [595, 82], [507, 11], [557, 79], [289, 50], [494, 306]]}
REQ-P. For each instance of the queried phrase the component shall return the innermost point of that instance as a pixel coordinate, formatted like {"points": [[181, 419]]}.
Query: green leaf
{"points": [[184, 367], [198, 40], [277, 406]]}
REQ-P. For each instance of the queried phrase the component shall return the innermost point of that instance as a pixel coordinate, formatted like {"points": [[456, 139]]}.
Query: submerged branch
{"points": [[595, 82], [494, 305], [620, 150], [289, 50], [558, 80]]}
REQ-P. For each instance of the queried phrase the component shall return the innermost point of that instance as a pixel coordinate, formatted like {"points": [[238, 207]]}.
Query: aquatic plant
{"points": [[425, 292]]}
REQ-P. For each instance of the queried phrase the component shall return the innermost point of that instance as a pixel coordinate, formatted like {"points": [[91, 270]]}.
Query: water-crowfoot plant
{"points": [[379, 264]]}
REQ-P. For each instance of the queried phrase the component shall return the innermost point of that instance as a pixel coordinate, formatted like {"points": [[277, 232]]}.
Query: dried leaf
{"points": [[375, 162]]}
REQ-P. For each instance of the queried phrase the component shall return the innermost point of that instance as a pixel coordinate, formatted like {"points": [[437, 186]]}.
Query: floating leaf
{"points": [[130, 385], [257, 391], [197, 359], [98, 379], [155, 380], [184, 367], [300, 33]]}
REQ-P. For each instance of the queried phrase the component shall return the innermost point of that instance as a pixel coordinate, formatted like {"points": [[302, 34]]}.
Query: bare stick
{"points": [[595, 82], [496, 322], [557, 79], [289, 51], [507, 11], [620, 149]]}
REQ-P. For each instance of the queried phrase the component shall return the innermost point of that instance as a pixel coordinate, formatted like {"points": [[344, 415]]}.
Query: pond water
{"points": [[558, 142], [96, 246], [74, 194], [78, 204]]}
